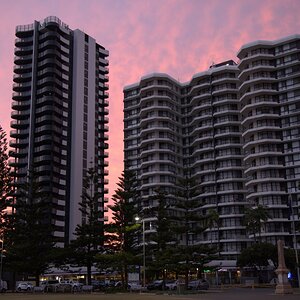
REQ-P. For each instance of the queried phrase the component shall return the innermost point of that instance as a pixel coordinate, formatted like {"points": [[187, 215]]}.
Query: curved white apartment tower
{"points": [[171, 126], [152, 135], [270, 111], [213, 149], [59, 117], [236, 128]]}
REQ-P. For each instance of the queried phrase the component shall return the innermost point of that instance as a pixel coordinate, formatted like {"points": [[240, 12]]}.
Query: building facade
{"points": [[270, 111], [59, 116], [235, 128], [172, 128]]}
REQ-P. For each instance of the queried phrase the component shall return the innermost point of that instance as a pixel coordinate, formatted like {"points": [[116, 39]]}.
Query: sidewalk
{"points": [[244, 294]]}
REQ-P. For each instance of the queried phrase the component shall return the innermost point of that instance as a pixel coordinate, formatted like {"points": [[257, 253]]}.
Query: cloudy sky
{"points": [[178, 37]]}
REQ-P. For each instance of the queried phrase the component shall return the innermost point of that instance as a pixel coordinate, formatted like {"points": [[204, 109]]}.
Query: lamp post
{"points": [[295, 239], [144, 250]]}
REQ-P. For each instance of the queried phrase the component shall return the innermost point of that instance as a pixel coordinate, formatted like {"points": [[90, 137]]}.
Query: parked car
{"points": [[120, 285], [110, 283], [155, 285], [171, 284], [24, 287], [98, 284], [75, 285], [3, 286], [134, 286], [200, 284], [49, 285]]}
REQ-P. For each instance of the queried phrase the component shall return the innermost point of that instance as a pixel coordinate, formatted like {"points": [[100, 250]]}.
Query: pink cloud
{"points": [[179, 37]]}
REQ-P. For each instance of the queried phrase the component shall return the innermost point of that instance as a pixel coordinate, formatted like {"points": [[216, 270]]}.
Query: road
{"points": [[227, 294]]}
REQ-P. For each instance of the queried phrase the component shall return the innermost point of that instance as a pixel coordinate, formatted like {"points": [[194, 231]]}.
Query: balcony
{"points": [[20, 105], [20, 143], [19, 42], [19, 124], [17, 162], [20, 115], [21, 69], [19, 87], [19, 51], [18, 133], [26, 77]]}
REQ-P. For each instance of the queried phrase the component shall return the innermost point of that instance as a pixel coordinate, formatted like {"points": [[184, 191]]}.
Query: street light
{"points": [[137, 218]]}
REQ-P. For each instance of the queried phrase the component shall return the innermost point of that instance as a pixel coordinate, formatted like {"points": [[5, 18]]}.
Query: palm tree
{"points": [[212, 221], [255, 218]]}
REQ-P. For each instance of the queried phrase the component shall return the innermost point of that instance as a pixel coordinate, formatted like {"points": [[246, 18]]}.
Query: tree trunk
{"points": [[126, 275], [122, 276], [186, 247], [164, 280], [218, 230], [37, 279], [259, 233], [89, 273], [186, 278]]}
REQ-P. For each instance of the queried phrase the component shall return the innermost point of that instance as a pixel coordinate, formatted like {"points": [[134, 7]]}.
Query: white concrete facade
{"points": [[235, 126]]}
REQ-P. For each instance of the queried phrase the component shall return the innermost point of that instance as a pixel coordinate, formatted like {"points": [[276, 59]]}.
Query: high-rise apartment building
{"points": [[235, 128], [172, 128], [270, 111], [59, 124]]}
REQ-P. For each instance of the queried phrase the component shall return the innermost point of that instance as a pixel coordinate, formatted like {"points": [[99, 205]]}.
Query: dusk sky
{"points": [[178, 37]]}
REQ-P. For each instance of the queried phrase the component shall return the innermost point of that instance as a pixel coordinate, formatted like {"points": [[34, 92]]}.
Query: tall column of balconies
{"points": [[229, 180], [198, 143], [153, 138], [51, 116], [21, 104], [287, 54], [216, 156], [101, 121], [263, 137], [40, 109], [132, 110]]}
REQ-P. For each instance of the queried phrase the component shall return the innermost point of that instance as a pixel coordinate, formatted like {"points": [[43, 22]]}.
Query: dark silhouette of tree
{"points": [[89, 235], [120, 234], [5, 187], [255, 218], [212, 221], [160, 244], [5, 181], [28, 236], [259, 255], [188, 223]]}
